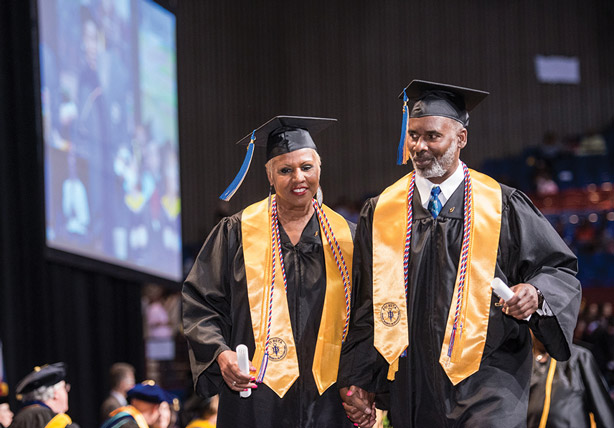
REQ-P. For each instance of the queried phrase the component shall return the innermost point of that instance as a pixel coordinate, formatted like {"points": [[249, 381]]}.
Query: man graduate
{"points": [[425, 324]]}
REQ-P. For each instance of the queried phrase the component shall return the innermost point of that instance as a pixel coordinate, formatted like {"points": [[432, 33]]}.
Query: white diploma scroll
{"points": [[501, 289], [243, 361]]}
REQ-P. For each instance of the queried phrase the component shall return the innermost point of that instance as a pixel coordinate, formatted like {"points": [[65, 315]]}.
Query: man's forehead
{"points": [[431, 123]]}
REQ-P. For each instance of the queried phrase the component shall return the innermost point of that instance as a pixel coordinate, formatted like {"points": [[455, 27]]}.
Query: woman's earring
{"points": [[319, 196], [270, 191]]}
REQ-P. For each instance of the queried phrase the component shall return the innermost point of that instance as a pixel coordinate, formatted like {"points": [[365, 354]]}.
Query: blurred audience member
{"points": [[121, 376], [545, 185], [568, 393], [6, 416], [158, 320], [144, 408], [349, 209], [592, 144], [164, 421], [551, 147], [201, 412], [596, 336], [585, 236], [168, 414], [44, 393]]}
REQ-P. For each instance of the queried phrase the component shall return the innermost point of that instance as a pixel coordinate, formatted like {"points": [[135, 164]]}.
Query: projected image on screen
{"points": [[109, 110]]}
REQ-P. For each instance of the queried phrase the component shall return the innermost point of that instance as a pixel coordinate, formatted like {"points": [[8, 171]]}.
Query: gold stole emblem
{"points": [[391, 324], [282, 369]]}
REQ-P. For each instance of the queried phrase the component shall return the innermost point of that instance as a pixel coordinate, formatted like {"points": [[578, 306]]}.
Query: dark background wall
{"points": [[244, 61], [243, 64]]}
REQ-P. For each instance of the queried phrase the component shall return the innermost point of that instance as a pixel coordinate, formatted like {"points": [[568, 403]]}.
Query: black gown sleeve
{"points": [[360, 363], [531, 251], [207, 320]]}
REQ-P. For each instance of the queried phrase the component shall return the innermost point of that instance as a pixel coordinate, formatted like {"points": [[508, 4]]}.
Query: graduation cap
{"points": [[150, 392], [422, 98], [280, 135], [47, 375]]}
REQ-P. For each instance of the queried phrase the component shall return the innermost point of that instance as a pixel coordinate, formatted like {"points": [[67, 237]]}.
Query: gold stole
{"points": [[551, 369], [61, 420], [282, 369], [389, 300], [138, 416]]}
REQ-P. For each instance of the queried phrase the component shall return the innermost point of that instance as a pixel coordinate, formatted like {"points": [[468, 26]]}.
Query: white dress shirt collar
{"points": [[448, 187], [121, 398]]}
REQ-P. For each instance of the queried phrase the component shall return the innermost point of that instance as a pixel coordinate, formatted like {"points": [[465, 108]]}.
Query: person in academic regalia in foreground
{"points": [[425, 325], [144, 409], [44, 393], [568, 393], [6, 414], [275, 277]]}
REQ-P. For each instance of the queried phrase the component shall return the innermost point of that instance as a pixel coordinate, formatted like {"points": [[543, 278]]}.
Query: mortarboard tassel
{"points": [[401, 159], [236, 183]]}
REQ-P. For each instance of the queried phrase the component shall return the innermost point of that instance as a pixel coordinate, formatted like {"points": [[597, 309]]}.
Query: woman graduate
{"points": [[277, 278]]}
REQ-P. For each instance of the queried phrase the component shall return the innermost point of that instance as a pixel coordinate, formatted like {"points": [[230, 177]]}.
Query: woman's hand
{"points": [[359, 406], [233, 377]]}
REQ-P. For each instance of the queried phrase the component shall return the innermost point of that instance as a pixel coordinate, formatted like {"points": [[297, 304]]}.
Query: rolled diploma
{"points": [[243, 361]]}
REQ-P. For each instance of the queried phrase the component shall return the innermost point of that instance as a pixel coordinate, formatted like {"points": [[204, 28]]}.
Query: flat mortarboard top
{"points": [[150, 392], [285, 134], [438, 99], [47, 375], [280, 135], [422, 98]]}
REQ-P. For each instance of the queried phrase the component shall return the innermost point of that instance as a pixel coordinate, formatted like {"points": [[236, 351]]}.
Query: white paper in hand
{"points": [[243, 361], [503, 291]]}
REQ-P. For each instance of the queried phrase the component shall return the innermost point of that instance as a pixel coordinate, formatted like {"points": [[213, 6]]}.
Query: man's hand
{"points": [[233, 377], [359, 406], [523, 304]]}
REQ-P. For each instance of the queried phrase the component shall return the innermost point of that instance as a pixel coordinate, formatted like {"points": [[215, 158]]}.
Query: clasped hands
{"points": [[359, 406]]}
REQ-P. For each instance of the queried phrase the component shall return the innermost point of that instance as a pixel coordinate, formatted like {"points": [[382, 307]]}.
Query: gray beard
{"points": [[439, 166]]}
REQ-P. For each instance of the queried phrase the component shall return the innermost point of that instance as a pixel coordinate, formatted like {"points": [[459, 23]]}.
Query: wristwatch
{"points": [[540, 298]]}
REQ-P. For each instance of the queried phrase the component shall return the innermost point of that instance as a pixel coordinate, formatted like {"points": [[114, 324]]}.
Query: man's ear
{"points": [[462, 138]]}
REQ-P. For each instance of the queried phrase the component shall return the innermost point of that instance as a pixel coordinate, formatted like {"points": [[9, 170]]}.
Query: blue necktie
{"points": [[434, 205]]}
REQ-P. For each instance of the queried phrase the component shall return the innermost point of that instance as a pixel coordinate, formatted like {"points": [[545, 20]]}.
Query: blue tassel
{"points": [[236, 183], [403, 130]]}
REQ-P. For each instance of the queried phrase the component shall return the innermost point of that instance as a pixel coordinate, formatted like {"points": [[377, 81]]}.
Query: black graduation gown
{"points": [[35, 416], [577, 390], [216, 317], [496, 396]]}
